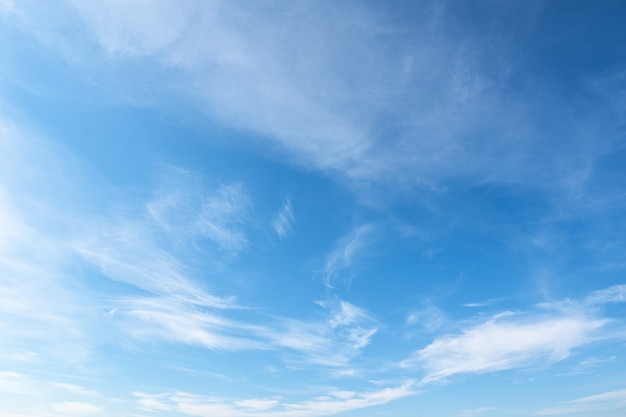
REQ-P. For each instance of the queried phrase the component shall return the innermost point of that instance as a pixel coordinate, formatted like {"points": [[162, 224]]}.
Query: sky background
{"points": [[312, 208]]}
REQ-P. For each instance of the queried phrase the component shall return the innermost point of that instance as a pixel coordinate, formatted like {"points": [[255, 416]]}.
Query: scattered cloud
{"points": [[283, 220], [510, 340], [333, 340], [128, 251], [504, 343], [186, 209], [429, 317], [34, 389], [347, 250], [331, 403], [15, 383], [36, 304], [301, 86], [181, 321], [475, 411], [614, 294], [593, 405], [415, 109]]}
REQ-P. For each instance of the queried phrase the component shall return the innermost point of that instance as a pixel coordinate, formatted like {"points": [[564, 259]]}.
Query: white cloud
{"points": [[46, 310], [504, 343], [509, 340], [333, 402], [186, 209], [153, 402], [292, 74], [128, 253], [15, 383], [256, 404], [614, 294], [429, 317], [475, 411], [151, 26], [593, 405], [74, 388], [172, 319], [40, 315], [333, 341], [28, 388], [283, 220], [344, 313], [347, 250], [76, 408]]}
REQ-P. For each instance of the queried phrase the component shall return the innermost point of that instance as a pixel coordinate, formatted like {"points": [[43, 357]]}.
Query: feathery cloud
{"points": [[331, 403], [283, 220], [604, 403], [347, 250], [509, 341]]}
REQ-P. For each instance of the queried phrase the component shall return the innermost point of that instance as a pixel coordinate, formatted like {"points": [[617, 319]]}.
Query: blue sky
{"points": [[313, 208]]}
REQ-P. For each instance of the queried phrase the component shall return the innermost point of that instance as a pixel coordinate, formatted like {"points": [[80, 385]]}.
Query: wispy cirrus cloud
{"points": [[607, 403], [330, 403], [181, 321], [429, 317], [283, 220], [329, 340], [146, 245], [38, 390], [475, 411], [515, 340], [42, 315], [418, 106], [613, 294], [333, 340], [187, 209], [347, 250]]}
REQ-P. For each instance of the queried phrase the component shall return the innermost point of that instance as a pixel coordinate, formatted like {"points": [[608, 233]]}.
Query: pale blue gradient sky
{"points": [[312, 208]]}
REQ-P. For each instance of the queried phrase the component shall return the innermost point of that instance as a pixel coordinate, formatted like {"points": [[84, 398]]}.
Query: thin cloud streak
{"points": [[283, 220], [175, 320], [324, 405], [133, 247], [188, 210], [347, 250], [324, 102], [611, 401]]}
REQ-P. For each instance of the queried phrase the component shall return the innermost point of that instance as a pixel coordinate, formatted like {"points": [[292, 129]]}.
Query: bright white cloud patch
{"points": [[503, 343]]}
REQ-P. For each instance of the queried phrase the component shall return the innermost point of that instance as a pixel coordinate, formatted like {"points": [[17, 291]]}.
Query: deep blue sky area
{"points": [[306, 209]]}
